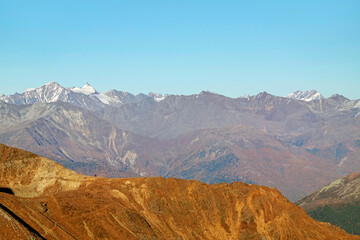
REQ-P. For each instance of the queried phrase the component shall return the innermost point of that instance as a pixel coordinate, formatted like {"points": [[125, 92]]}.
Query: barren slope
{"points": [[71, 206]]}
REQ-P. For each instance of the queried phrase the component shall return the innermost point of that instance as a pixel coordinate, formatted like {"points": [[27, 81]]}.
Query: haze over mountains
{"points": [[296, 143], [40, 199]]}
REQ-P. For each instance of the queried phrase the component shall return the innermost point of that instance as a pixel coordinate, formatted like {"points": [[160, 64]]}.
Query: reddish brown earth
{"points": [[52, 202]]}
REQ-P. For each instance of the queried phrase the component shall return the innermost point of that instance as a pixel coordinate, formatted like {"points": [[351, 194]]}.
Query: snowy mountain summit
{"points": [[85, 97], [86, 89], [308, 96], [50, 92], [157, 96]]}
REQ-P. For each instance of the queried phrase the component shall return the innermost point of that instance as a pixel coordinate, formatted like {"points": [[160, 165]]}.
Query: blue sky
{"points": [[182, 47]]}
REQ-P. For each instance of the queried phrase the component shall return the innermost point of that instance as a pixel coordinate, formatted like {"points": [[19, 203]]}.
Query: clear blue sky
{"points": [[182, 47]]}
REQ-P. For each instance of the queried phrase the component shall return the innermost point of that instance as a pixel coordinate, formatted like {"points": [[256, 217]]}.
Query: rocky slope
{"points": [[337, 203], [71, 206], [78, 139], [343, 190]]}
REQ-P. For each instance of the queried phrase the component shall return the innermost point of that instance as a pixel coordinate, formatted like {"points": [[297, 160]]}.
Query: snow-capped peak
{"points": [[86, 89], [308, 96], [50, 85], [157, 96]]}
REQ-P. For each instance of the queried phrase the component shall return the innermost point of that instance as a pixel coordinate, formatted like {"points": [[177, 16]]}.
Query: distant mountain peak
{"points": [[263, 95], [307, 96], [86, 89], [208, 92], [52, 83], [339, 98], [157, 96]]}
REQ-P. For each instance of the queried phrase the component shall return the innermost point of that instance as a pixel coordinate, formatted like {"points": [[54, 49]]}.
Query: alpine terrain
{"points": [[297, 143]]}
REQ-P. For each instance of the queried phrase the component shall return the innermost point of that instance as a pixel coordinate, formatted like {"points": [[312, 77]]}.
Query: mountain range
{"points": [[296, 143], [40, 199], [85, 97]]}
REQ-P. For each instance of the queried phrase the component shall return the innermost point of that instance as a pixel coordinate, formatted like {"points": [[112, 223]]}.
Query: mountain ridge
{"points": [[74, 206], [86, 96], [145, 137], [32, 95], [337, 203]]}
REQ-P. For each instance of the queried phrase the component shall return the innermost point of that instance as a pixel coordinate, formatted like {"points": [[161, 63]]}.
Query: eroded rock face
{"points": [[73, 206]]}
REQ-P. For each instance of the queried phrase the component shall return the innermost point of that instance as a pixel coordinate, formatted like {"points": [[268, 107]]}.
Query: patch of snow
{"points": [[207, 91], [30, 89], [86, 89], [157, 96], [307, 96], [90, 91], [159, 99], [105, 99]]}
